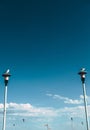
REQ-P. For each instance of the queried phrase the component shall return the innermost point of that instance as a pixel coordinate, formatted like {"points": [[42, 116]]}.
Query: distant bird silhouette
{"points": [[23, 120], [82, 123], [71, 119], [13, 124]]}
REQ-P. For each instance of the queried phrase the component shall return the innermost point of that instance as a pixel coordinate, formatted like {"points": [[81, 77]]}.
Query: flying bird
{"points": [[7, 71], [82, 123], [23, 120], [13, 124], [71, 119]]}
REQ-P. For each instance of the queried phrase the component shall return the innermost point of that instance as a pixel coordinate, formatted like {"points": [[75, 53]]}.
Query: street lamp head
{"points": [[6, 76], [82, 73]]}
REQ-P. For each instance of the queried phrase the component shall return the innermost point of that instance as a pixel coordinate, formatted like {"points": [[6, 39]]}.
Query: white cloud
{"points": [[49, 94], [1, 106], [27, 110], [71, 101], [67, 100], [38, 116], [26, 106]]}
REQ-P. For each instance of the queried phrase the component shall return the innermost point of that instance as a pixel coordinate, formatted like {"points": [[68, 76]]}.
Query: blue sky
{"points": [[44, 44]]}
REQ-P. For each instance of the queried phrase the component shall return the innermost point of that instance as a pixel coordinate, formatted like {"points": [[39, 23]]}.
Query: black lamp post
{"points": [[82, 73], [6, 76]]}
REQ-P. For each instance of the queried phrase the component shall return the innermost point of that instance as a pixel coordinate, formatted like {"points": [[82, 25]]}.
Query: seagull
{"points": [[7, 71]]}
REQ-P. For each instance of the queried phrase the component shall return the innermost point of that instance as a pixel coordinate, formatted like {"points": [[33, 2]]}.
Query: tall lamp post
{"points": [[6, 76], [82, 73]]}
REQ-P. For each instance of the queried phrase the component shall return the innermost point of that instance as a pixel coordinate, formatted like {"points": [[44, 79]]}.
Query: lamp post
{"points": [[6, 76], [82, 73]]}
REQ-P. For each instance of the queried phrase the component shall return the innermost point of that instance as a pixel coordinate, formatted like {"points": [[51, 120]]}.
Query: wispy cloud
{"points": [[32, 111], [28, 110], [67, 100]]}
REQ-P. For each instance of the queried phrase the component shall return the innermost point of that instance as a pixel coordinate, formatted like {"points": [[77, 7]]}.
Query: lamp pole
{"points": [[6, 76], [82, 73]]}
